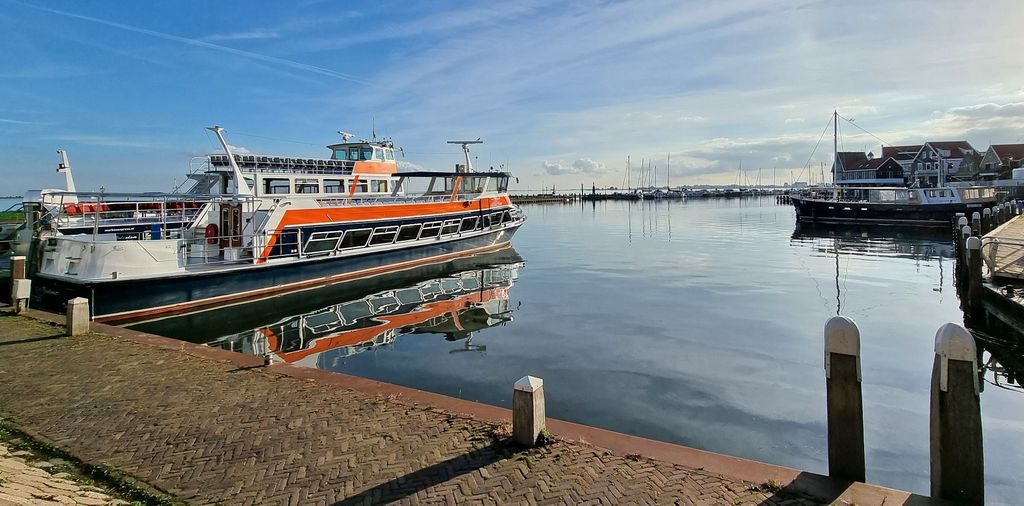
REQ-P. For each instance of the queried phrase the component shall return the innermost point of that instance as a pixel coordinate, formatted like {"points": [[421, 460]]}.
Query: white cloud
{"points": [[579, 166], [404, 166], [256, 34], [239, 150]]}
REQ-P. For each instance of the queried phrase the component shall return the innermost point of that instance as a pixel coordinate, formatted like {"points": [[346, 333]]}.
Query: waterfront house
{"points": [[873, 172], [944, 161], [1000, 160], [844, 160], [903, 155]]}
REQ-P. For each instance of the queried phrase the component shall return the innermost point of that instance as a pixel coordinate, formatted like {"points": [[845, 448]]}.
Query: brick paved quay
{"points": [[206, 426]]}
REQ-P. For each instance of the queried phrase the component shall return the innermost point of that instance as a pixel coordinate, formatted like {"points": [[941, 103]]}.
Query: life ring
{"points": [[211, 234]]}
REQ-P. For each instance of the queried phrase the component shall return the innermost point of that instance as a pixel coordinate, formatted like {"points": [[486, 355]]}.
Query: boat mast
{"points": [[241, 187], [835, 145], [65, 167], [465, 150]]}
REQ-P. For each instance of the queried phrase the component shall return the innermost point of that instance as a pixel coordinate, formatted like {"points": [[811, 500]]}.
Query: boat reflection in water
{"points": [[879, 241], [320, 328], [1000, 347]]}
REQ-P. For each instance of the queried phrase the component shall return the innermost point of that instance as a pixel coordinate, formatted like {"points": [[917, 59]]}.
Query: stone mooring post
{"points": [[986, 220], [77, 316], [976, 222], [528, 419], [843, 397], [957, 458]]}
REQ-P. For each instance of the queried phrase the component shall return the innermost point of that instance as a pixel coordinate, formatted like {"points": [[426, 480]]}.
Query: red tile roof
{"points": [[956, 148], [893, 151], [1004, 151]]}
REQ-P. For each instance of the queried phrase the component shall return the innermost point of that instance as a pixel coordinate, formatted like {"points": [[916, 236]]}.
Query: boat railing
{"points": [[383, 200]]}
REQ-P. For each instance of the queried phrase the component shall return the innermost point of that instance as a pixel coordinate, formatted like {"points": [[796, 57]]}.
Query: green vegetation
{"points": [[84, 474], [545, 437], [12, 216]]}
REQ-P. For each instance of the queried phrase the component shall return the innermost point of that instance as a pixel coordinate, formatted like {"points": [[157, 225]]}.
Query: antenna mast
{"points": [[465, 150]]}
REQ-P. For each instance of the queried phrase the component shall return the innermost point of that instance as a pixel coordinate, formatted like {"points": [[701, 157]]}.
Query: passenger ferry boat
{"points": [[253, 225], [929, 207]]}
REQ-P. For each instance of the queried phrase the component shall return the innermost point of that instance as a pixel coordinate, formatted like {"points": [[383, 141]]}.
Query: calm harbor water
{"points": [[692, 322]]}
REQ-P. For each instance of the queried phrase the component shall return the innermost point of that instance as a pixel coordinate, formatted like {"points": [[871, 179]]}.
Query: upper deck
{"points": [[348, 158]]}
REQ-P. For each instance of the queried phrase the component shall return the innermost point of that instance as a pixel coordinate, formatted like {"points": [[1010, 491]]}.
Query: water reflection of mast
{"points": [[839, 301]]}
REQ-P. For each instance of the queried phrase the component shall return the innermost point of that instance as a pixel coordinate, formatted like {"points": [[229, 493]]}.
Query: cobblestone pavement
{"points": [[210, 431], [26, 480]]}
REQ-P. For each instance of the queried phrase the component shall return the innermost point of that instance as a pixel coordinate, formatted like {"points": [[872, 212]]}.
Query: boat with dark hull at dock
{"points": [[253, 226], [924, 207]]}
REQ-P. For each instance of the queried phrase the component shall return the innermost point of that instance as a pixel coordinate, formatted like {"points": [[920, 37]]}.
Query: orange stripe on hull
{"points": [[321, 215], [375, 168]]}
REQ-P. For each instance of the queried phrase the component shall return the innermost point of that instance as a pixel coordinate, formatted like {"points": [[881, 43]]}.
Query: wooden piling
{"points": [[17, 272], [845, 405], [976, 222], [957, 457], [77, 316], [528, 419], [974, 275], [986, 221]]}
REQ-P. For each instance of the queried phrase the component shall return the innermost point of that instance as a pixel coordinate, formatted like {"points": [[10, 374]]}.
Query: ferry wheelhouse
{"points": [[252, 226], [890, 206]]}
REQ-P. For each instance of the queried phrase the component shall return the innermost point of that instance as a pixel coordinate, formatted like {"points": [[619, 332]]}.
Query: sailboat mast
{"points": [[835, 145], [668, 175]]}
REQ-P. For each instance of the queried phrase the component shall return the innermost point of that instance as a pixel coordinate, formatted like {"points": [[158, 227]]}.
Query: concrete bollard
{"points": [[17, 272], [77, 316], [21, 290], [843, 397], [957, 459], [1013, 208], [528, 419], [976, 222], [986, 221]]}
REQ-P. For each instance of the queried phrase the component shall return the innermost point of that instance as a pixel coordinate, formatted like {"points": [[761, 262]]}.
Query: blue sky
{"points": [[561, 92]]}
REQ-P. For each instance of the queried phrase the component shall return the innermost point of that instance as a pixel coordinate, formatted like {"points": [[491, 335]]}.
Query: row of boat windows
{"points": [[277, 186], [325, 242], [365, 153]]}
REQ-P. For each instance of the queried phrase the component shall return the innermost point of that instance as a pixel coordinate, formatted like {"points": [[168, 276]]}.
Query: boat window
{"points": [[353, 154], [502, 184], [307, 186], [366, 153], [275, 186], [378, 154], [431, 229], [378, 185], [322, 242], [389, 154], [355, 238], [506, 217], [485, 221], [468, 224], [383, 235], [496, 218], [360, 186], [492, 184], [408, 232], [450, 227], [334, 186]]}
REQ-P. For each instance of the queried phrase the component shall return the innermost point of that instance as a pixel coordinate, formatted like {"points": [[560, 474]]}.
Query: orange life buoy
{"points": [[211, 234]]}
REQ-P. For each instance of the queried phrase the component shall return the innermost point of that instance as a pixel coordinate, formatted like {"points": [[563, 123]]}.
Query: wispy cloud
{"points": [[16, 121], [110, 141], [256, 34], [209, 45]]}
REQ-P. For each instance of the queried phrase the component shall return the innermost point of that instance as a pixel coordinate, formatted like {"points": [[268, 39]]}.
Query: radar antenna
{"points": [[465, 149], [345, 136], [65, 166]]}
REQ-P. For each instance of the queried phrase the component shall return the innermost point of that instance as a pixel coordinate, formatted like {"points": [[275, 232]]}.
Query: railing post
{"points": [[843, 398], [77, 316], [957, 456], [528, 419]]}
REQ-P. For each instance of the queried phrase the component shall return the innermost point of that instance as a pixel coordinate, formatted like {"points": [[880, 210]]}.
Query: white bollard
{"points": [[77, 316], [957, 458], [845, 406], [528, 419]]}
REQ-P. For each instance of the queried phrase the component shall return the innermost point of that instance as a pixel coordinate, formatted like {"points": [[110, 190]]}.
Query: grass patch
{"points": [[12, 216], [86, 475]]}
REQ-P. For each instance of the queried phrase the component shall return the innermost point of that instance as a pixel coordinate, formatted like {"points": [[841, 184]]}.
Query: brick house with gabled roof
{"points": [[1000, 160], [904, 155], [944, 161], [873, 172], [845, 159]]}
